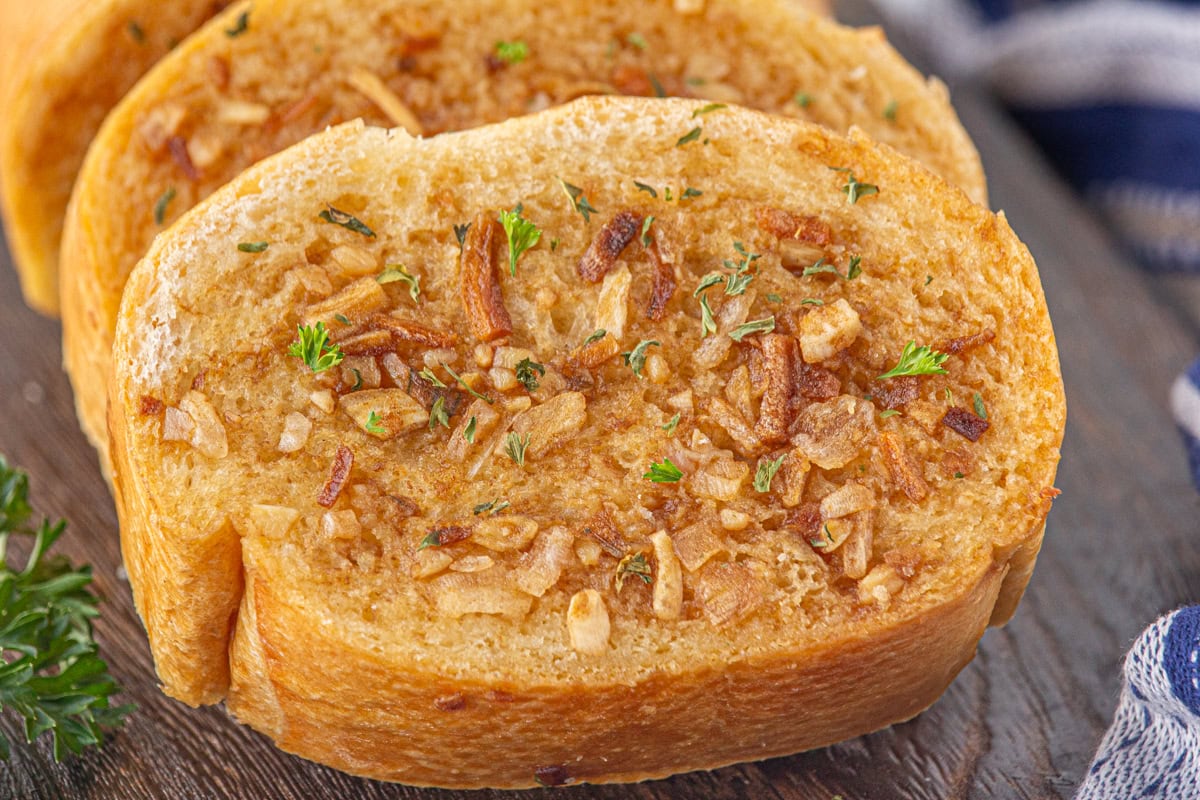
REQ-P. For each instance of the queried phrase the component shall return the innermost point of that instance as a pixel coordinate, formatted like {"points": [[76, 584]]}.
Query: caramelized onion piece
{"points": [[481, 297], [414, 332], [786, 225], [903, 468], [664, 284], [964, 423], [604, 250], [956, 346], [343, 460], [775, 411]]}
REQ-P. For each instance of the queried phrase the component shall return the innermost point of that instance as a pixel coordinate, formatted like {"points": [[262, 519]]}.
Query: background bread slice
{"points": [[337, 633], [65, 64], [296, 69]]}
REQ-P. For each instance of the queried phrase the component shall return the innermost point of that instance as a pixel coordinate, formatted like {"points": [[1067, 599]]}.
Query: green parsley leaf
{"points": [[689, 193], [528, 373], [646, 223], [514, 447], [342, 318], [253, 247], [659, 91], [634, 564], [667, 194], [440, 536], [825, 542], [398, 272], [240, 26], [803, 99], [347, 221], [636, 358], [428, 375], [469, 431], [671, 425], [596, 336], [774, 298], [765, 325], [522, 235], [512, 52], [889, 111], [707, 323], [980, 408], [357, 380], [313, 348], [460, 233], [854, 270], [438, 414], [711, 279], [374, 423], [740, 278], [855, 189], [642, 187], [466, 385], [492, 508], [917, 361], [708, 109], [891, 412], [688, 137], [666, 472], [53, 675], [928, 279], [636, 40], [959, 475], [578, 201], [812, 301], [766, 473], [160, 205]]}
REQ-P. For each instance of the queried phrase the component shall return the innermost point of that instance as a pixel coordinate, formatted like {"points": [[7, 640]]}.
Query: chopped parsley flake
{"points": [[253, 247], [774, 298], [596, 336], [707, 323], [342, 318], [765, 325], [646, 223], [428, 375], [802, 99], [512, 52], [438, 414], [666, 472], [313, 348], [689, 193], [812, 301], [642, 187], [891, 412], [528, 373], [634, 564], [347, 221], [740, 277], [671, 425], [466, 385], [854, 270], [980, 408], [689, 137], [240, 26], [636, 358], [522, 235], [915, 360], [469, 431], [357, 380], [492, 508], [889, 111], [398, 272], [160, 205], [708, 109], [515, 446], [578, 201], [460, 233], [374, 423], [636, 40], [766, 473], [854, 188]]}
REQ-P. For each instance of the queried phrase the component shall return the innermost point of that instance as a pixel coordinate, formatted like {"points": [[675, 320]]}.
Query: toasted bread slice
{"points": [[64, 66], [432, 66], [548, 510]]}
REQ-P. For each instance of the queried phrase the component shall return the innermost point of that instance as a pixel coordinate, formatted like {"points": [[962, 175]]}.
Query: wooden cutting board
{"points": [[1021, 721]]}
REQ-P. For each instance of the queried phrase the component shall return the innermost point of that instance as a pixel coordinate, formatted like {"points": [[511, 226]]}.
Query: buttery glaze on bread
{"points": [[365, 566], [64, 65], [220, 103]]}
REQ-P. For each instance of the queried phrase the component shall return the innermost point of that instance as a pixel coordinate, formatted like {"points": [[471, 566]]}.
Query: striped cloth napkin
{"points": [[1110, 90]]}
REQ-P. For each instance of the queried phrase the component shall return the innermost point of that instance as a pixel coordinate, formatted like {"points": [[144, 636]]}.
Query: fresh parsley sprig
{"points": [[914, 360], [522, 235], [55, 679], [666, 472], [578, 201], [313, 348], [766, 473]]}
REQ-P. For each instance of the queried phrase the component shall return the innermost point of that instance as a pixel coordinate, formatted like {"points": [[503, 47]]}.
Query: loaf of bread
{"points": [[63, 65], [220, 103], [562, 449]]}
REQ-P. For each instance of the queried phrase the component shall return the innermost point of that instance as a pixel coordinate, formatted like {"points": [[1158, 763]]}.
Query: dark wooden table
{"points": [[1021, 721]]}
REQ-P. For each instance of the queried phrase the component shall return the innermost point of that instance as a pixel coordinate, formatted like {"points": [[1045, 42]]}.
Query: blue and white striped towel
{"points": [[1110, 89]]}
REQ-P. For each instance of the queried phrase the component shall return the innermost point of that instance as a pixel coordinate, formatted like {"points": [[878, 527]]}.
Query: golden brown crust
{"points": [[754, 616], [293, 72]]}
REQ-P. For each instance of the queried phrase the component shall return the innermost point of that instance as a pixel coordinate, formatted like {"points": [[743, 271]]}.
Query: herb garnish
{"points": [[398, 272], [357, 380], [492, 508], [240, 26], [374, 423], [512, 52], [57, 682], [766, 473], [428, 375], [707, 323], [438, 414], [855, 189], [634, 564], [765, 325], [708, 109], [774, 298], [646, 188], [646, 237], [515, 446], [253, 247], [802, 99], [889, 111], [823, 543], [636, 358], [469, 431], [460, 233], [637, 40], [812, 301], [915, 360], [740, 278], [347, 221], [466, 385], [596, 336], [689, 193], [160, 205], [671, 425], [578, 201], [852, 272], [342, 318], [666, 472], [688, 137], [891, 412], [314, 349], [528, 372], [980, 408], [522, 235]]}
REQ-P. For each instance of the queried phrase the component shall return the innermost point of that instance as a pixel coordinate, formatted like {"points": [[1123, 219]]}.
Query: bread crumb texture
{"points": [[659, 450]]}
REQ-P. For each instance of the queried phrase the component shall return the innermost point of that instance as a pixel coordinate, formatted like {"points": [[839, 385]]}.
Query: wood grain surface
{"points": [[1021, 721]]}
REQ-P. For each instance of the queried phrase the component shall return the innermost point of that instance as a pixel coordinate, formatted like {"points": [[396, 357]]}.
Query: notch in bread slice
{"points": [[63, 67], [565, 430], [432, 66]]}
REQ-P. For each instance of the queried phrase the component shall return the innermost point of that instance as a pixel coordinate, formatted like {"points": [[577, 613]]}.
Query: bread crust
{"points": [[344, 690], [851, 74]]}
